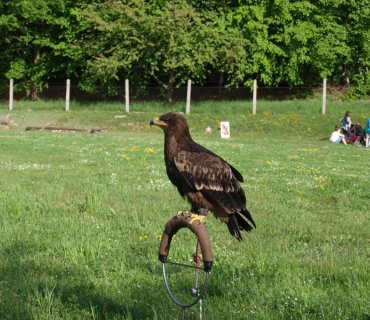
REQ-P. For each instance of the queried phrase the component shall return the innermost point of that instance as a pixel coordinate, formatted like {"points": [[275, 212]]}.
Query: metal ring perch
{"points": [[200, 294], [195, 222]]}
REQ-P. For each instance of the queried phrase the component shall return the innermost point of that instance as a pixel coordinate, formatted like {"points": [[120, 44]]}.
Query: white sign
{"points": [[225, 130]]}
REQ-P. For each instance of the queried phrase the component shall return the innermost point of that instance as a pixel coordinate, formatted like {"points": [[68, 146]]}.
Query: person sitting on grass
{"points": [[359, 132], [355, 139], [336, 137], [367, 131]]}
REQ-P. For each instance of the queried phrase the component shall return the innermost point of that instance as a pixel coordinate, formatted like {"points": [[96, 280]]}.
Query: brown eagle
{"points": [[206, 180]]}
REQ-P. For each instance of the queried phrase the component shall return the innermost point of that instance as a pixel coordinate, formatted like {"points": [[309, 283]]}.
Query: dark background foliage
{"points": [[215, 43]]}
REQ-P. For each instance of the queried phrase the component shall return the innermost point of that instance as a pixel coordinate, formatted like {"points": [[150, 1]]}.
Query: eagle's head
{"points": [[172, 123]]}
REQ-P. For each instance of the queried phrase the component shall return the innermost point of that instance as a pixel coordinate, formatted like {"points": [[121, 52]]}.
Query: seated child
{"points": [[359, 132], [354, 138], [337, 137]]}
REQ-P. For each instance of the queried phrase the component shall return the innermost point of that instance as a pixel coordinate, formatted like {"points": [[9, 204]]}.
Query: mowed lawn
{"points": [[81, 217]]}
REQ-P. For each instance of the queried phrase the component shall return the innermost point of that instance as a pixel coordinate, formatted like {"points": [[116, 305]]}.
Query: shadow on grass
{"points": [[47, 290]]}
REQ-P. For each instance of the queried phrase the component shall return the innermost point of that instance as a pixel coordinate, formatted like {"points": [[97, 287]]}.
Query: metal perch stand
{"points": [[196, 223]]}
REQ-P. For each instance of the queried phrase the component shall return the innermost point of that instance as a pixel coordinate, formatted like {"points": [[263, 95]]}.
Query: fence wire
{"points": [[138, 94]]}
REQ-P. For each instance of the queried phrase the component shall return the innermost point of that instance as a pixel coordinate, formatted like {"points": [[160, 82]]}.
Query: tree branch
{"points": [[151, 72], [16, 38]]}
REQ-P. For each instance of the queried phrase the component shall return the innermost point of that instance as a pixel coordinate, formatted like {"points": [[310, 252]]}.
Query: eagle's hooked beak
{"points": [[157, 122]]}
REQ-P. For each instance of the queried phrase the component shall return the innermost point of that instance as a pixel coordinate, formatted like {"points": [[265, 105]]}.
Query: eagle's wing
{"points": [[206, 172]]}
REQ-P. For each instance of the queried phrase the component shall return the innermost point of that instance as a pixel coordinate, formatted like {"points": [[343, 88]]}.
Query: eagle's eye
{"points": [[164, 120]]}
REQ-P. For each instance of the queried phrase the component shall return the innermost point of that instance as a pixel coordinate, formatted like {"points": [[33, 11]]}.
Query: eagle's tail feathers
{"points": [[246, 214], [234, 227], [243, 224]]}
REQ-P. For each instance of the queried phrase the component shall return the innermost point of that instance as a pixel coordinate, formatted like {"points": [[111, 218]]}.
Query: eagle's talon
{"points": [[197, 218]]}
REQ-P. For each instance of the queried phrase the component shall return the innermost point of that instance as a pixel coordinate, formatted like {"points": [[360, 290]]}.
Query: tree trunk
{"points": [[33, 93], [345, 78], [170, 88], [221, 83], [170, 94]]}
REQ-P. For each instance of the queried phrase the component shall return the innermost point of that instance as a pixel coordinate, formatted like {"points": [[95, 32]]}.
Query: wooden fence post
{"points": [[11, 95], [68, 93], [188, 97], [255, 96], [127, 95], [324, 97]]}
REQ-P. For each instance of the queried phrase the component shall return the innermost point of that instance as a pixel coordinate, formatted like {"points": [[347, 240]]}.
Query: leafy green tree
{"points": [[301, 42], [165, 41], [33, 33], [278, 35], [99, 43], [358, 26], [330, 49]]}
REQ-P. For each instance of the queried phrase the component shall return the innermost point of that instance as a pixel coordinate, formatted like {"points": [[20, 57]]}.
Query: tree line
{"points": [[100, 43]]}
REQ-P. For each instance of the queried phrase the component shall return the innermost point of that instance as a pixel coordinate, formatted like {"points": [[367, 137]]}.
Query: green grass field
{"points": [[81, 215]]}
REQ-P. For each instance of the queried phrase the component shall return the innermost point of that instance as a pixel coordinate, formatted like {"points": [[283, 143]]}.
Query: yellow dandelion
{"points": [[150, 150], [351, 175]]}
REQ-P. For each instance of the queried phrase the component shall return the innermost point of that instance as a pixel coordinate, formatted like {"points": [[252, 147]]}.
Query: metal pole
{"points": [[182, 313], [198, 273], [68, 94], [11, 95], [127, 95], [254, 96], [188, 97]]}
